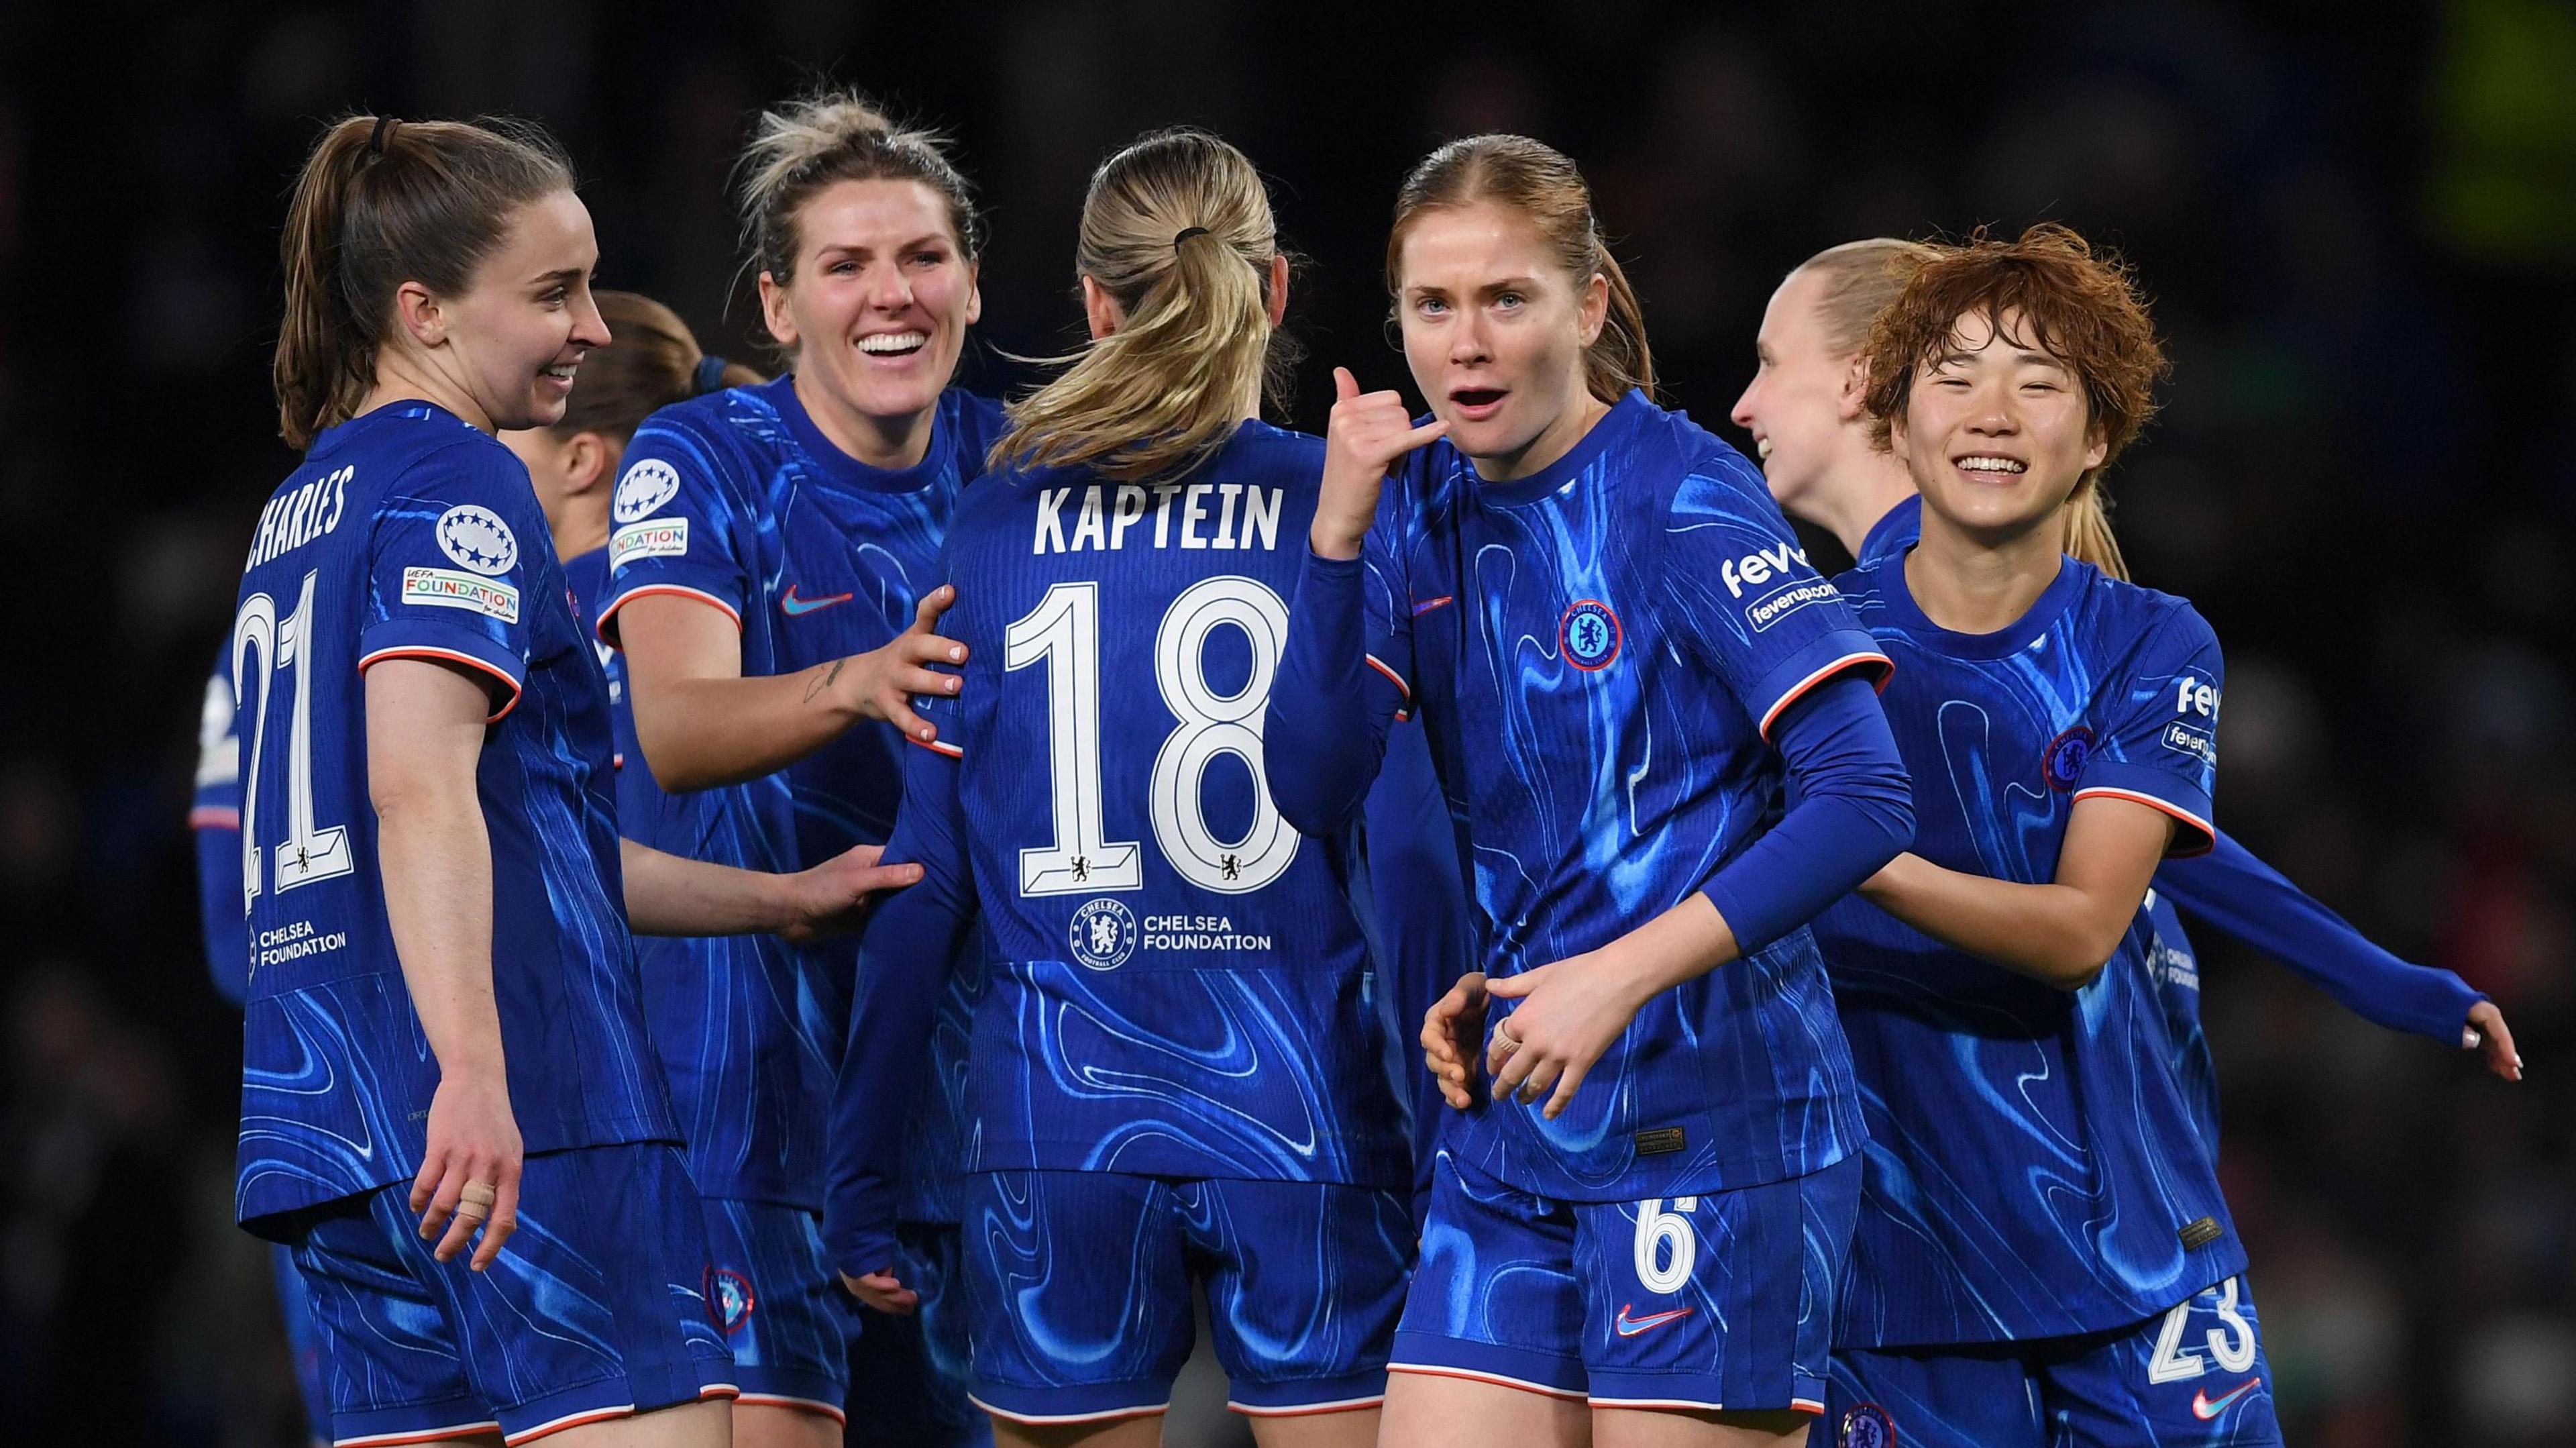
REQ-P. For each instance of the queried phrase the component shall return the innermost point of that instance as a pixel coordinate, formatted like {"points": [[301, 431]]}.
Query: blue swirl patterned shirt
{"points": [[2034, 1165], [1185, 987], [409, 534], [738, 500], [1597, 652]]}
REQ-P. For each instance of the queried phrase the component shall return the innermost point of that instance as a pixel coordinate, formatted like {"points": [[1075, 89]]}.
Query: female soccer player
{"points": [[1804, 409], [1180, 1071], [1621, 657], [2043, 1255], [442, 1042], [769, 547]]}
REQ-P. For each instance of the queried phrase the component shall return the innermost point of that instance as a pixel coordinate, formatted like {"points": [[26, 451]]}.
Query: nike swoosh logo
{"points": [[1631, 1326], [2205, 1408], [1428, 604], [798, 607]]}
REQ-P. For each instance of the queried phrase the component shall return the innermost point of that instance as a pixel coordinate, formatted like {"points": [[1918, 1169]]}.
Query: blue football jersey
{"points": [[1182, 983], [2034, 1168], [214, 819], [409, 534], [587, 577], [736, 498], [1597, 651]]}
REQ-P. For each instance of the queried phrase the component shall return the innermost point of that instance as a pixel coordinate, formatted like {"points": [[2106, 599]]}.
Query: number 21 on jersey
{"points": [[1063, 633], [271, 652]]}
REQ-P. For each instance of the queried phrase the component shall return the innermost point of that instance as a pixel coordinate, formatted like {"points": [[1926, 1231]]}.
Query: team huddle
{"points": [[775, 908]]}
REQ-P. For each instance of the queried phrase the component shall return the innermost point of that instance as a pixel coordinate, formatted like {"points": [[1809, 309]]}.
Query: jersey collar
{"points": [[1623, 418], [840, 468], [1893, 533], [2012, 638]]}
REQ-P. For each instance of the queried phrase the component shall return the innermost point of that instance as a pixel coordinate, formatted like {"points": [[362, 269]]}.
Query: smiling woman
{"points": [[774, 554]]}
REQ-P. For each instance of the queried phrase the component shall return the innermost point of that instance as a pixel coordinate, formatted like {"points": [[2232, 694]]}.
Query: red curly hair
{"points": [[2079, 306]]}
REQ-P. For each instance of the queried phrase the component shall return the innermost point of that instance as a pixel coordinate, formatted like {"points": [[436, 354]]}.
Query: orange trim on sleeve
{"points": [[938, 746], [1392, 676], [214, 817], [680, 590], [1799, 690], [453, 656], [2208, 832]]}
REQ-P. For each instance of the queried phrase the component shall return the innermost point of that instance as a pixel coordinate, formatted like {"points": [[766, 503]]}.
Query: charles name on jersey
{"points": [[1209, 515]]}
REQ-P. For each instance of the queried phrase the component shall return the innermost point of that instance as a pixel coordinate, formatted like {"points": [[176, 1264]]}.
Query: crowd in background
{"points": [[2358, 228]]}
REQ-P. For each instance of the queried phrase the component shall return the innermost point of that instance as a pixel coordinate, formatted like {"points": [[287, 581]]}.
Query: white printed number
{"points": [[309, 852], [1658, 1230], [1064, 632], [2231, 1342]]}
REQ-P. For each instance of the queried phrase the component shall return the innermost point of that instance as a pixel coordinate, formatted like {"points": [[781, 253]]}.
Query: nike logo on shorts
{"points": [[796, 607], [2205, 1408], [1631, 1326]]}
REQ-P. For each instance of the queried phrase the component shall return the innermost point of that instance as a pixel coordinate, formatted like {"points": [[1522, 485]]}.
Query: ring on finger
{"points": [[481, 1194], [1504, 1038]]}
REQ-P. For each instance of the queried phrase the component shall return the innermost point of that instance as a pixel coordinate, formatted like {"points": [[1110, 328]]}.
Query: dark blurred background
{"points": [[2359, 225]]}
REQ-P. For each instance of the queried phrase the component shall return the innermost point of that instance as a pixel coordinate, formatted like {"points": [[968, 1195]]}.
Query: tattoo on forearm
{"points": [[823, 679]]}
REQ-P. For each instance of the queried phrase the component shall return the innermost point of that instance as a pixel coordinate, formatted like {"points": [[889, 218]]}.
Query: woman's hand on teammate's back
{"points": [[473, 1143], [833, 898], [1452, 1030], [881, 682], [1367, 433], [882, 1291]]}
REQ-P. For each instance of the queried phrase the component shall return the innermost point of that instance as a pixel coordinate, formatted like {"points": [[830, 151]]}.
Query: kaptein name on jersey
{"points": [[294, 519], [1210, 515]]}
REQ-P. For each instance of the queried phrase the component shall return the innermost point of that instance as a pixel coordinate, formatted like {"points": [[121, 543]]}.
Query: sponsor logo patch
{"points": [[440, 588], [2183, 739], [2063, 760], [652, 538], [730, 1296], [477, 539], [1589, 634], [1867, 1426], [646, 487], [1103, 934], [2201, 1233], [1785, 600]]}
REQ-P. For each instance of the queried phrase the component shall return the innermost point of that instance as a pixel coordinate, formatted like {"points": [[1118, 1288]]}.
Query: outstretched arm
{"points": [[2248, 899], [670, 895], [903, 967]]}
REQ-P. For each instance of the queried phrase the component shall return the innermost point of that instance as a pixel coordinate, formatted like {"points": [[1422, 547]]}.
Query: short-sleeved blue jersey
{"points": [[1598, 650], [2034, 1168], [1183, 985], [409, 534], [587, 577], [738, 499], [214, 819]]}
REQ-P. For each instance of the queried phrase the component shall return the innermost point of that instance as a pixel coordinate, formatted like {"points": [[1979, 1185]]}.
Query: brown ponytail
{"points": [[1542, 184], [1177, 228], [381, 202]]}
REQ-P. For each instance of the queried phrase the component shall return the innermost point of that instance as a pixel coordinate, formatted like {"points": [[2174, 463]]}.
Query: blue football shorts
{"points": [[2193, 1376], [781, 1307], [1079, 1285], [595, 1309], [1722, 1301]]}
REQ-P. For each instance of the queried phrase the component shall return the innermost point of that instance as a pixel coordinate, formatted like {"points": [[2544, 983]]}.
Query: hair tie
{"points": [[709, 376], [376, 138], [1186, 233]]}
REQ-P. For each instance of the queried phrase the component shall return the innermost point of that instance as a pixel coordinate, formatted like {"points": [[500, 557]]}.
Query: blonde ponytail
{"points": [[1177, 230], [2089, 538]]}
